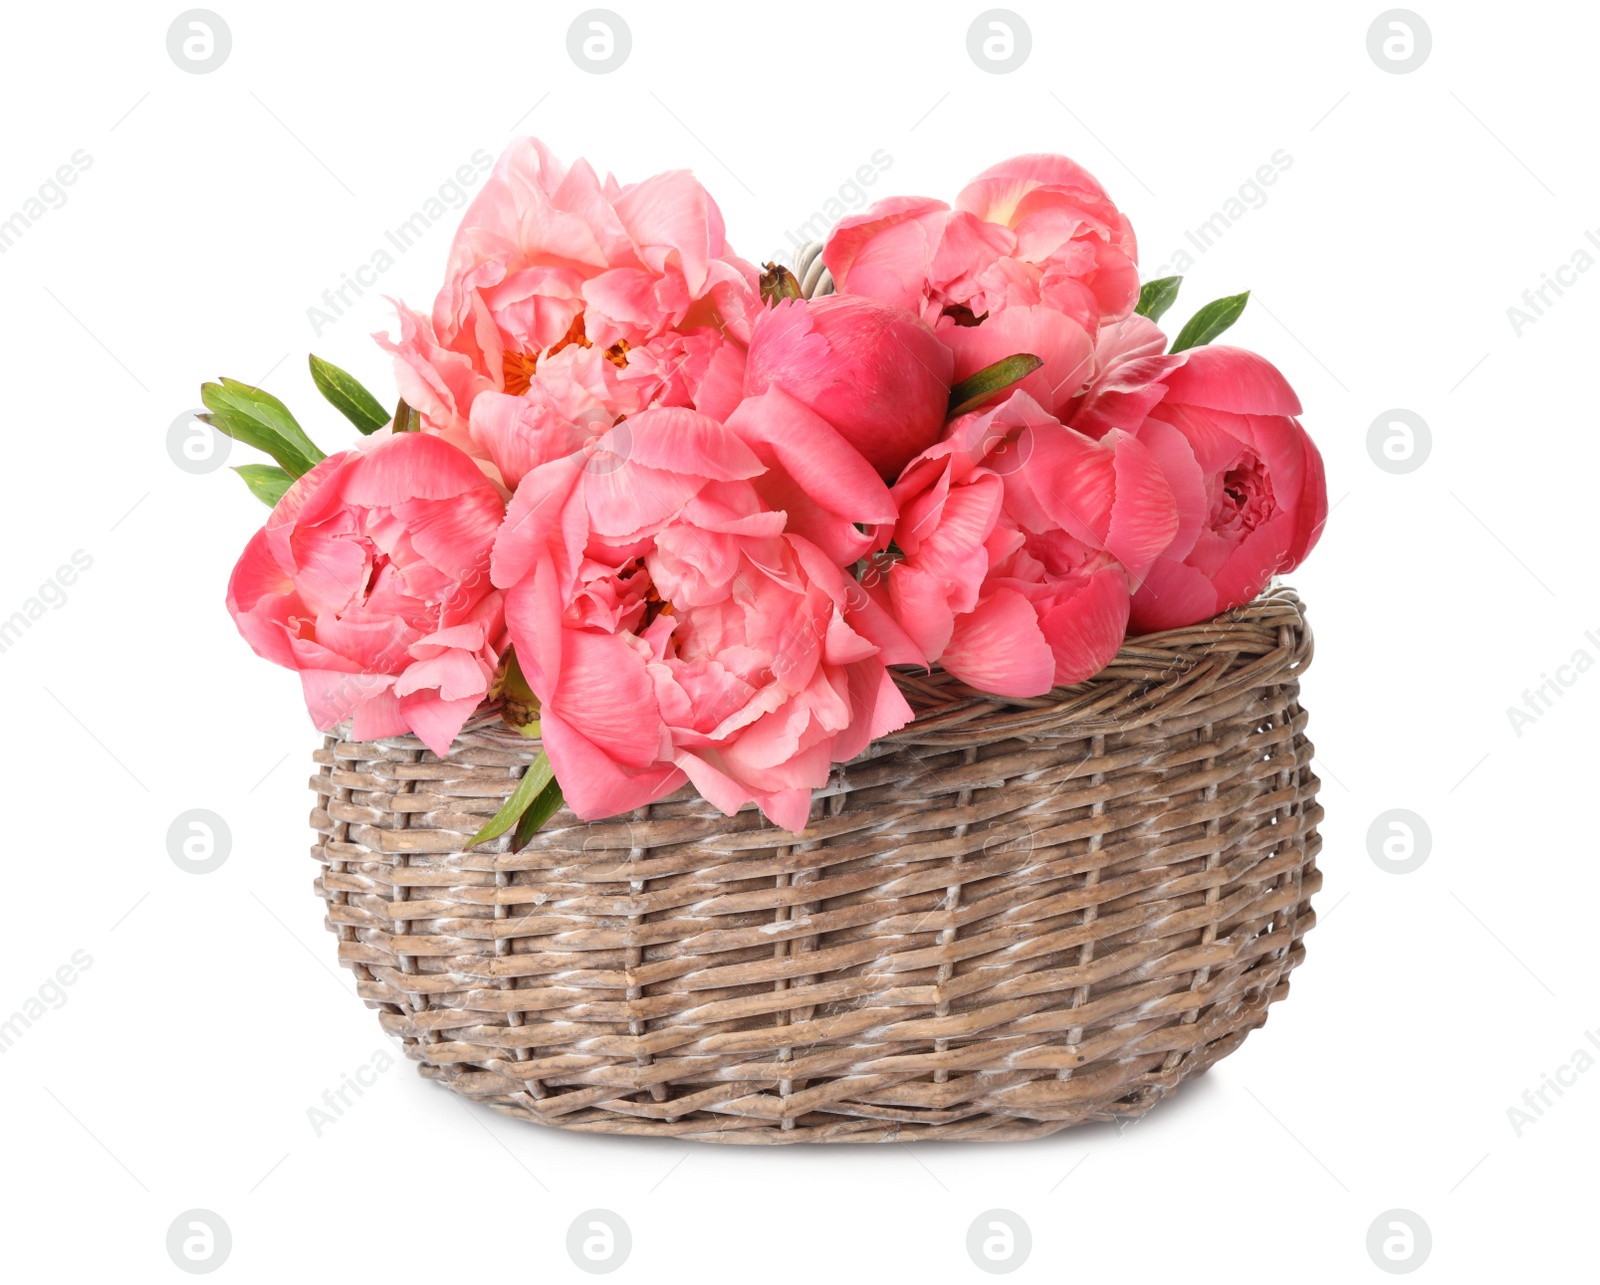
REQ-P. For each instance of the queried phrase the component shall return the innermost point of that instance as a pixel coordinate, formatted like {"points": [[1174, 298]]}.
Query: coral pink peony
{"points": [[1059, 341], [1033, 258], [1018, 537], [371, 580], [553, 266], [1249, 481], [673, 629], [824, 484], [1066, 226], [872, 370]]}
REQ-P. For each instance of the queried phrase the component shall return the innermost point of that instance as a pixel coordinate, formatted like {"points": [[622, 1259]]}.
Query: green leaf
{"points": [[267, 482], [1210, 322], [539, 811], [347, 395], [260, 420], [406, 420], [976, 389], [529, 788], [1155, 297]]}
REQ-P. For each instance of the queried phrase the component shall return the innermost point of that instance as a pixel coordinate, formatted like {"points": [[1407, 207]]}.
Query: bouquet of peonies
{"points": [[677, 521]]}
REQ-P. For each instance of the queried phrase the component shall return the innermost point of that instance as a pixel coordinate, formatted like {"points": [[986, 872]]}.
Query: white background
{"points": [[219, 207]]}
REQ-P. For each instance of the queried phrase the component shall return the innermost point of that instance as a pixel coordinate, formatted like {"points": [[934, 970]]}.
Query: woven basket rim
{"points": [[1159, 663], [1149, 668]]}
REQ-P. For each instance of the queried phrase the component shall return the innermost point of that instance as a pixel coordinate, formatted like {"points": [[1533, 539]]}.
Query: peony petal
{"points": [[878, 707], [544, 519], [1144, 515], [674, 439], [1173, 595], [854, 233], [1175, 457], [604, 693], [1231, 379], [437, 721], [1062, 343], [409, 466], [790, 436], [999, 648], [593, 784], [1086, 629]]}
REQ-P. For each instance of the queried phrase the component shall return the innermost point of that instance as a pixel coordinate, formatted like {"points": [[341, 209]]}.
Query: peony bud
{"points": [[874, 371]]}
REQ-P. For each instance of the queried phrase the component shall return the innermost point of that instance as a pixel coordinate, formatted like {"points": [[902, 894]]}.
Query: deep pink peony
{"points": [[872, 370], [1251, 492], [1019, 537], [371, 579], [554, 268], [673, 628]]}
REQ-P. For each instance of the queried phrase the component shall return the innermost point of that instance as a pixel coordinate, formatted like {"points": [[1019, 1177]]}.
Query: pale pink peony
{"points": [[1019, 537], [1249, 481], [872, 370], [371, 579], [673, 629], [551, 259]]}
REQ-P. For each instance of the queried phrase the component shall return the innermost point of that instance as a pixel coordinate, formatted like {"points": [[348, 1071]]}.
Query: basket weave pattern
{"points": [[1011, 917]]}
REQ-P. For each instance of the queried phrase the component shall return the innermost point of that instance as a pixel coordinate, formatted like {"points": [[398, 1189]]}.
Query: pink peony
{"points": [[872, 370], [673, 629], [1249, 482], [551, 268], [1018, 539], [1066, 226], [371, 580], [1033, 258], [1059, 341], [826, 487]]}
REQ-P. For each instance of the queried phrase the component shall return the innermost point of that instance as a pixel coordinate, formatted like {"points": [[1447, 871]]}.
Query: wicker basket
{"points": [[1011, 917]]}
